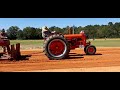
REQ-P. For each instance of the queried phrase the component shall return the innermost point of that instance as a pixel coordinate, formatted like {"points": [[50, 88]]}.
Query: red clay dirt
{"points": [[105, 60]]}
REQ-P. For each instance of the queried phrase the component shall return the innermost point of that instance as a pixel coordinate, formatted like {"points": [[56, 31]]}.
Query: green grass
{"points": [[28, 44], [37, 44], [106, 43]]}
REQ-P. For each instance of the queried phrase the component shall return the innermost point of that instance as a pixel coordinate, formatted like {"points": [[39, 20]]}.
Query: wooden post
{"points": [[13, 52], [8, 49], [18, 50]]}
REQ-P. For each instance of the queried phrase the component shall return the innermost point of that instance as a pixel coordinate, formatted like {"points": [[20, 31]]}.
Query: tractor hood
{"points": [[72, 36]]}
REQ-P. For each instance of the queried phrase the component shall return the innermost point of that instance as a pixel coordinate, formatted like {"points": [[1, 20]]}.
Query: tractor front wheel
{"points": [[90, 50], [85, 48]]}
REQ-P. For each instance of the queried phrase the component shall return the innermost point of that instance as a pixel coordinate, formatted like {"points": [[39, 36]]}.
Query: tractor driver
{"points": [[45, 32], [3, 35], [82, 32]]}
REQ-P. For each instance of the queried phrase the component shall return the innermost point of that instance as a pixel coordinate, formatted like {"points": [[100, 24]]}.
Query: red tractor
{"points": [[5, 45], [58, 46]]}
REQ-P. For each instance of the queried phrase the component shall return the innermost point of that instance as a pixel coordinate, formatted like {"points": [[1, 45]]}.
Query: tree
{"points": [[20, 35], [110, 24], [12, 32], [77, 30], [52, 28], [39, 33], [92, 31], [29, 33]]}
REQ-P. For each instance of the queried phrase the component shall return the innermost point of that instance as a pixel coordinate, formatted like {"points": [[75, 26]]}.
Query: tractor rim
{"points": [[91, 50], [57, 48]]}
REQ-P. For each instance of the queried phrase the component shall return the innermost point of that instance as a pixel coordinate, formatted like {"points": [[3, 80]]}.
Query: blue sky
{"points": [[60, 22]]}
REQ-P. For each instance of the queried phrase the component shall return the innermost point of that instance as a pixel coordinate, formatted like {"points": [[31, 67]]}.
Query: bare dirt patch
{"points": [[77, 62]]}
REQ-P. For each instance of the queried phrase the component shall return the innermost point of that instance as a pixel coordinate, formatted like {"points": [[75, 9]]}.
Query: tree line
{"points": [[111, 30]]}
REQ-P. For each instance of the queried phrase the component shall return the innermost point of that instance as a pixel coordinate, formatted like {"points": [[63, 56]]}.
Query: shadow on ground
{"points": [[75, 55], [92, 55], [23, 57]]}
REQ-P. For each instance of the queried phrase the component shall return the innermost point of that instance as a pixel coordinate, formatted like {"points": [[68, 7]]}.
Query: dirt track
{"points": [[106, 59]]}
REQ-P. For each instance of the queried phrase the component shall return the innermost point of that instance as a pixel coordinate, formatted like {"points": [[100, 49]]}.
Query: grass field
{"points": [[37, 44], [106, 43], [28, 44]]}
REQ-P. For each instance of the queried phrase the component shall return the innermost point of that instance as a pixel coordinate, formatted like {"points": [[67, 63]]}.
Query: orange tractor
{"points": [[58, 46]]}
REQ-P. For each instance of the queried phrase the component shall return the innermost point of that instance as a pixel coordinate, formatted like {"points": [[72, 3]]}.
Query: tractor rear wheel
{"points": [[90, 50], [56, 47]]}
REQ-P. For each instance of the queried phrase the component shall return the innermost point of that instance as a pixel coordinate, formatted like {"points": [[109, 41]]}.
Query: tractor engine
{"points": [[76, 40]]}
